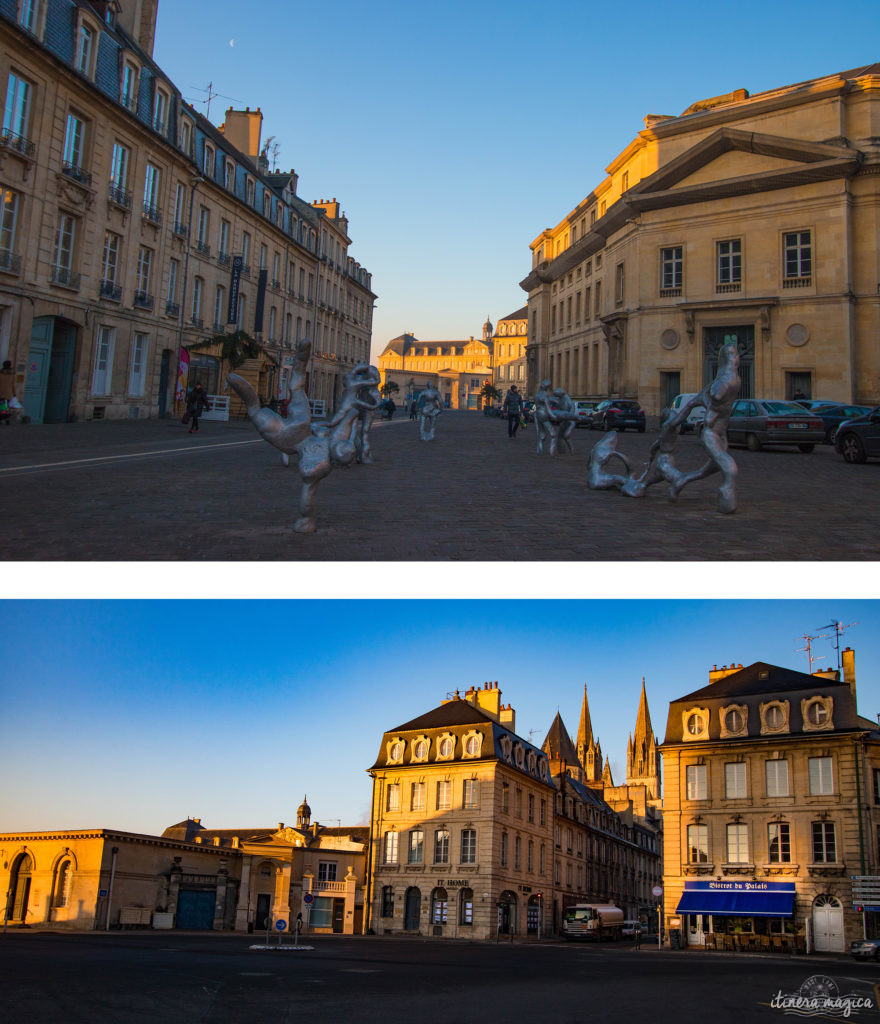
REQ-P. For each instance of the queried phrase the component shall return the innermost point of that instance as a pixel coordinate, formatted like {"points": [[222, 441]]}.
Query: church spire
{"points": [[641, 755]]}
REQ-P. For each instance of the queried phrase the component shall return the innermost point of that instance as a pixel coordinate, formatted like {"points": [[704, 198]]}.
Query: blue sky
{"points": [[135, 714], [454, 133]]}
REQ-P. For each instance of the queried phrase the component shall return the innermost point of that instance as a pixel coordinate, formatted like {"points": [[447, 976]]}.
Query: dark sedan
{"points": [[755, 422], [833, 415], [858, 440], [618, 414]]}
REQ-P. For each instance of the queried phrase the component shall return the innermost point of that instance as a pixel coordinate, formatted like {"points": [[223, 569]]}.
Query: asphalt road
{"points": [[172, 978], [148, 490]]}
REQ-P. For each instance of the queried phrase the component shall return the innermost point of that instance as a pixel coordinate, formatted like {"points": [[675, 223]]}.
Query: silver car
{"points": [[756, 422], [865, 949]]}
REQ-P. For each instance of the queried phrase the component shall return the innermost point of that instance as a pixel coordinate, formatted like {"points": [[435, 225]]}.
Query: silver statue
{"points": [[718, 398], [555, 417], [430, 407], [365, 379], [318, 447]]}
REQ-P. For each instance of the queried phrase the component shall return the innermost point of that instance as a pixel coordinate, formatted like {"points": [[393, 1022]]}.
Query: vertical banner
{"points": [[261, 302], [182, 374], [234, 281]]}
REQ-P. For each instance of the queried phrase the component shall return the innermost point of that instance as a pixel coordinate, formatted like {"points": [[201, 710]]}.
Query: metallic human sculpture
{"points": [[718, 398], [555, 417], [318, 447], [365, 380], [430, 407]]}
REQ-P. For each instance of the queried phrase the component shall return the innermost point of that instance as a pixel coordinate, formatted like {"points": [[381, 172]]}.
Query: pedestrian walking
{"points": [[513, 406], [413, 409], [637, 935], [196, 404]]}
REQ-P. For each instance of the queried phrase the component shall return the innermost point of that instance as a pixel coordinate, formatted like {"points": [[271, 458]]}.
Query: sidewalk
{"points": [[148, 490]]}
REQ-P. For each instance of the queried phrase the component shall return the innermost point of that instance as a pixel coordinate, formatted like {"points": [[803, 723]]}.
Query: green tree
{"points": [[390, 387], [489, 393]]}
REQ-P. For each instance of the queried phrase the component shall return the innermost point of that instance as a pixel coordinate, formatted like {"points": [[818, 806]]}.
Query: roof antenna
{"points": [[838, 632], [809, 647]]}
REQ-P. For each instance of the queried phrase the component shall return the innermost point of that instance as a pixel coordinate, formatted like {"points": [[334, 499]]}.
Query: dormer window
{"points": [[395, 751], [86, 48], [186, 135], [445, 748], [420, 750], [695, 723], [208, 165], [734, 720], [229, 174], [816, 713], [161, 107], [31, 15], [249, 191], [129, 85], [473, 744], [774, 716]]}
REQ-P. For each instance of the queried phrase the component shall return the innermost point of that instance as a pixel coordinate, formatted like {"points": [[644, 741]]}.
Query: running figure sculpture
{"points": [[554, 419], [430, 407], [718, 398], [318, 447]]}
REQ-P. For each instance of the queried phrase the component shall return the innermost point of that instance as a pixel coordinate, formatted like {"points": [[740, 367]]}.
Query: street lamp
{"points": [[194, 184]]}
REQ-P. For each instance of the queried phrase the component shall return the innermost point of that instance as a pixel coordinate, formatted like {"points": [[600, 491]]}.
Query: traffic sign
{"points": [[280, 925], [308, 898], [657, 890]]}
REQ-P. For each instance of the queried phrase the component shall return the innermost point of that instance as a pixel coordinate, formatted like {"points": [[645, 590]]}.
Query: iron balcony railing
{"points": [[18, 142], [203, 248], [118, 195], [197, 321], [143, 299], [110, 290], [152, 214], [224, 259], [77, 173], [180, 229], [172, 309], [65, 277], [10, 262]]}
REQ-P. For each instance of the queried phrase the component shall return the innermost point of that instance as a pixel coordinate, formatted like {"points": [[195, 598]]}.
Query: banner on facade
{"points": [[182, 374], [234, 282], [261, 301]]}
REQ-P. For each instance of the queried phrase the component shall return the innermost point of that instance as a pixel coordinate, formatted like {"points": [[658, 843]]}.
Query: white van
{"points": [[696, 416]]}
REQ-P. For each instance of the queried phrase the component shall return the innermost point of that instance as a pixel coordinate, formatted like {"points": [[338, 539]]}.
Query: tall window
{"points": [[729, 267], [151, 189], [390, 847], [737, 844], [824, 843], [220, 307], [779, 842], [110, 260], [821, 776], [417, 797], [441, 846], [119, 167], [505, 798], [416, 846], [74, 141], [444, 795], [229, 174], [17, 112], [84, 46], [504, 847], [735, 780], [8, 220], [387, 901], [698, 844], [471, 793], [138, 373], [30, 10], [208, 163], [531, 807], [144, 270], [65, 240], [224, 238], [466, 906], [671, 267], [63, 879], [468, 846], [393, 797], [197, 300], [102, 376], [777, 777], [697, 788], [160, 112], [530, 862], [204, 217], [173, 266], [179, 207], [517, 852], [245, 248], [798, 254], [619, 285], [439, 906], [129, 86]]}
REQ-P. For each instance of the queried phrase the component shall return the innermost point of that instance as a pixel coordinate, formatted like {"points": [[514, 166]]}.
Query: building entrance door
{"points": [[697, 929], [20, 889], [60, 372], [263, 902], [828, 924], [164, 374], [412, 910], [338, 916], [744, 336], [195, 909]]}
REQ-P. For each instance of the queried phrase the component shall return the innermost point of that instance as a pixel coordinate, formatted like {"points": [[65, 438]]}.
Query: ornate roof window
{"points": [[734, 720], [817, 713], [695, 724], [473, 744], [774, 717], [420, 747], [396, 748], [445, 747]]}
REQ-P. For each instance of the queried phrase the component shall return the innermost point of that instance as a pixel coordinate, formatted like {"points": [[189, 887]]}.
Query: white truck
{"points": [[597, 921]]}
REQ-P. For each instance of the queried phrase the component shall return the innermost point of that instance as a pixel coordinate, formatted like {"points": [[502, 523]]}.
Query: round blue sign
{"points": [[280, 925], [308, 898]]}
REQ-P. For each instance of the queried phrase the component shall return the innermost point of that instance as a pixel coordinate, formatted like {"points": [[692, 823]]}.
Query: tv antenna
{"points": [[839, 630], [211, 95], [808, 639]]}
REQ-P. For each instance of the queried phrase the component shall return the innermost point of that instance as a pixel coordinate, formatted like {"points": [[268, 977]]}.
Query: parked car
{"points": [[810, 404], [629, 927], [865, 949], [755, 422], [858, 440], [696, 417], [618, 414], [585, 411], [833, 415]]}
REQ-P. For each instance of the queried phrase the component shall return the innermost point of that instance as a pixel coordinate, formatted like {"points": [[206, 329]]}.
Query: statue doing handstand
{"points": [[317, 447]]}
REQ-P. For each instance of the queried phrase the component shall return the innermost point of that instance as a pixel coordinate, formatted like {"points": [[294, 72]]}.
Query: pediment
{"points": [[733, 162]]}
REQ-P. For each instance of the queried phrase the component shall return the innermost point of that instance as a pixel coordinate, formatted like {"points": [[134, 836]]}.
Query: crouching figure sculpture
{"points": [[555, 418], [317, 447], [718, 398]]}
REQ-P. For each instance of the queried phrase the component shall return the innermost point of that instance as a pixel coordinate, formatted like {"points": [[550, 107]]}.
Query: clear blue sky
{"points": [[134, 715], [453, 134]]}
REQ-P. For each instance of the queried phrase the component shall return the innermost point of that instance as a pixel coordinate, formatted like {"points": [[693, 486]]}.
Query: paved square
{"points": [[148, 490]]}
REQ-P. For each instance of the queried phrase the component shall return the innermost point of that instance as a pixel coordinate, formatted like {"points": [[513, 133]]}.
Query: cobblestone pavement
{"points": [[148, 490]]}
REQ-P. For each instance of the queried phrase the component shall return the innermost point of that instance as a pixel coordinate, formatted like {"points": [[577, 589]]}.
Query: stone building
{"points": [[749, 218], [771, 804], [509, 351], [190, 877], [138, 238], [462, 824], [459, 369]]}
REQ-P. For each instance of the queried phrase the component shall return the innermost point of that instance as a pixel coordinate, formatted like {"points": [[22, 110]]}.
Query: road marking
{"points": [[133, 455], [357, 970]]}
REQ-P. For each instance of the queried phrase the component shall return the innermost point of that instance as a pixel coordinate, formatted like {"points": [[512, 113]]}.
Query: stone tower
{"points": [[642, 768], [589, 751]]}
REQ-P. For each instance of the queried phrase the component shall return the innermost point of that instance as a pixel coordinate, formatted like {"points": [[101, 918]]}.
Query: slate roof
{"points": [[558, 744], [455, 712], [762, 678], [520, 314]]}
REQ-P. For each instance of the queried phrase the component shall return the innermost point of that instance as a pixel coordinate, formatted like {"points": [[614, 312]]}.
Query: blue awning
{"points": [[741, 904]]}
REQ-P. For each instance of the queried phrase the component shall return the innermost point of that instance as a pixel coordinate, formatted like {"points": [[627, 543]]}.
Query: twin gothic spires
{"points": [[584, 758]]}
